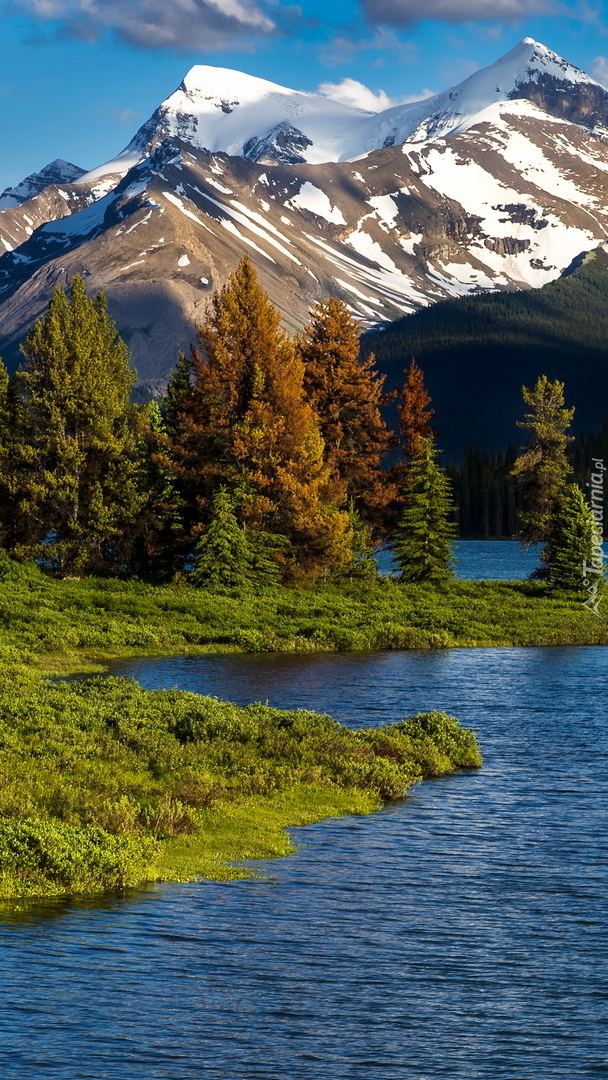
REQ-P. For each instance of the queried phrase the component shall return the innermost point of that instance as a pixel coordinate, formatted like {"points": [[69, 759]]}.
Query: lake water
{"points": [[459, 934], [484, 559]]}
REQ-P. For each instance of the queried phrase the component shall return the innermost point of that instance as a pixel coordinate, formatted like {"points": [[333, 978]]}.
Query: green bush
{"points": [[53, 858]]}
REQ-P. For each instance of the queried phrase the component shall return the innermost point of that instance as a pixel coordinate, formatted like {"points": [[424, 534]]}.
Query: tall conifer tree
{"points": [[346, 392], [423, 537], [572, 558], [82, 486], [542, 468], [179, 390]]}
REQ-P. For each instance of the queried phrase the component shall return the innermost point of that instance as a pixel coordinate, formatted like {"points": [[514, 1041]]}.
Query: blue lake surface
{"points": [[484, 559], [461, 933]]}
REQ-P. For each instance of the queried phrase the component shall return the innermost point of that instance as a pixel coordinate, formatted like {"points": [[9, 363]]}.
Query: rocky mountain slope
{"points": [[497, 184]]}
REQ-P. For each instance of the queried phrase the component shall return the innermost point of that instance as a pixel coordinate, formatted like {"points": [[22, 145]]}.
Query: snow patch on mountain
{"points": [[317, 202]]}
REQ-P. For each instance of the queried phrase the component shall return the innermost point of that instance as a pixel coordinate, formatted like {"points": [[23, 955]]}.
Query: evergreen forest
{"points": [[478, 351]]}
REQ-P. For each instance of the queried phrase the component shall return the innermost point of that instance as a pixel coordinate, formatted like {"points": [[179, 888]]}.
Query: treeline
{"points": [[489, 501], [263, 462], [566, 316], [267, 461]]}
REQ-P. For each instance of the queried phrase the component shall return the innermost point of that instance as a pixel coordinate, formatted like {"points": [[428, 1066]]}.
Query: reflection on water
{"points": [[460, 934]]}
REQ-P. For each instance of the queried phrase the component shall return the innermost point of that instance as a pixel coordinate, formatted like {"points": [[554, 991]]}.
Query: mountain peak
{"points": [[534, 57], [211, 83], [493, 184], [56, 172]]}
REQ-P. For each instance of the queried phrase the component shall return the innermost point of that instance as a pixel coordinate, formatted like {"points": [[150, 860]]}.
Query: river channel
{"points": [[461, 933]]}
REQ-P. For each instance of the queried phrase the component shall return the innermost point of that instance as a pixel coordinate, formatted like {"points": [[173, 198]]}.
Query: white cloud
{"points": [[351, 92], [127, 116], [341, 49], [203, 25], [402, 12], [599, 70]]}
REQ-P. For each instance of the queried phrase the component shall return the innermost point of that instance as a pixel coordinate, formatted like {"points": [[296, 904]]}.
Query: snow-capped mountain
{"points": [[228, 112], [57, 172], [495, 184]]}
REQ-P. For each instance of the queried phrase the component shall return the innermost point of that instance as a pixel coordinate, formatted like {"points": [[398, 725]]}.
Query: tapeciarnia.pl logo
{"points": [[593, 571]]}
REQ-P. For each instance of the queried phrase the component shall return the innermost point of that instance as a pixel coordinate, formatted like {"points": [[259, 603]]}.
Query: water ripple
{"points": [[460, 933]]}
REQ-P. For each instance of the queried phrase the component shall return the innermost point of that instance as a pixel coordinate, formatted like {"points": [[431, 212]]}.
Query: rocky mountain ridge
{"points": [[497, 184]]}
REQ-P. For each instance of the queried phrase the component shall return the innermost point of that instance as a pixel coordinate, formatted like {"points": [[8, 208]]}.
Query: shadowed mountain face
{"points": [[478, 352], [495, 185]]}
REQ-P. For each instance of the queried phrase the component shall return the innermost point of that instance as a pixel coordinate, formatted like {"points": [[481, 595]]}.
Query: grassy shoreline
{"points": [[105, 785], [62, 626]]}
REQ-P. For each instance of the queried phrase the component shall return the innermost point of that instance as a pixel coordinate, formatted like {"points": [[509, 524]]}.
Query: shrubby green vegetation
{"points": [[254, 471], [107, 785], [63, 624]]}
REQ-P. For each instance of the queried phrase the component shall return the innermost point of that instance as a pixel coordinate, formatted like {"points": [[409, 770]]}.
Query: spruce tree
{"points": [[574, 556], [158, 549], [422, 542], [221, 556], [228, 556], [82, 487], [345, 389], [179, 390], [542, 468]]}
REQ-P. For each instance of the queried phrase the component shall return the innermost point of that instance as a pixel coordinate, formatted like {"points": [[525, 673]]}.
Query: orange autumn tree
{"points": [[247, 425], [414, 413], [346, 392]]}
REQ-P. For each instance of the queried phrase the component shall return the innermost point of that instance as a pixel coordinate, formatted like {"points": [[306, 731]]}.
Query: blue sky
{"points": [[78, 77]]}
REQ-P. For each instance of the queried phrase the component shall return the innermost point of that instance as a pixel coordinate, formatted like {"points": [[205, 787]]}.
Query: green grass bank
{"points": [[105, 785], [55, 625]]}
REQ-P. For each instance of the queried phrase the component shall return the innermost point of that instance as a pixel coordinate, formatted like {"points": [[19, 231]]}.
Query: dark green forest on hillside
{"points": [[477, 352]]}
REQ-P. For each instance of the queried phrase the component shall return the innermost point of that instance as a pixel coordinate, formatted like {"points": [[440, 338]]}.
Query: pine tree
{"points": [[82, 487], [346, 392], [248, 425], [574, 557], [222, 556], [18, 527], [422, 543], [414, 413], [543, 467]]}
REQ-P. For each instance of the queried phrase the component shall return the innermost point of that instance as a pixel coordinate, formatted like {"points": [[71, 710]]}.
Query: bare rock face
{"points": [[440, 199], [585, 104]]}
